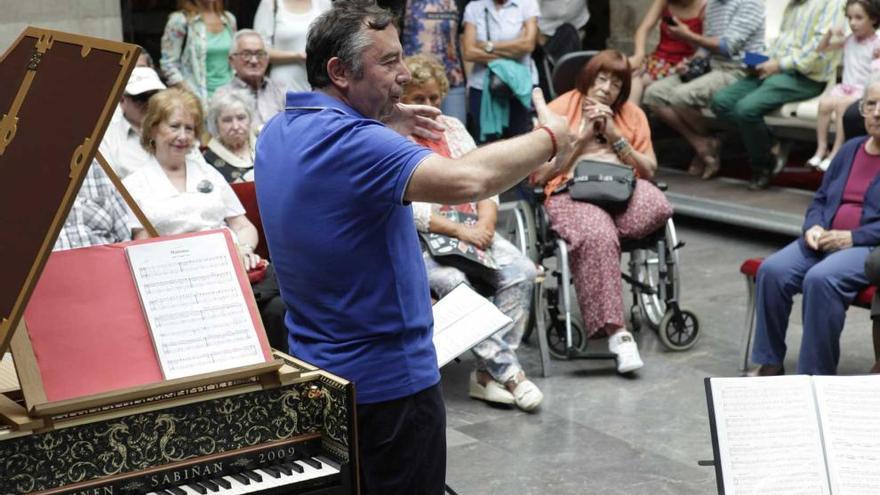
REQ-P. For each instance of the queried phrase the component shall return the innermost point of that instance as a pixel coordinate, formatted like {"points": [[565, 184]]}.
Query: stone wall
{"points": [[625, 18], [98, 18]]}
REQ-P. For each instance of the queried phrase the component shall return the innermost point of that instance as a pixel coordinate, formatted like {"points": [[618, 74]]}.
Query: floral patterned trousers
{"points": [[513, 296], [593, 237]]}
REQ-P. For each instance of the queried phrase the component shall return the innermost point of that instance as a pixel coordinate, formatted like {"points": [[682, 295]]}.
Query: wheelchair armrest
{"points": [[539, 194]]}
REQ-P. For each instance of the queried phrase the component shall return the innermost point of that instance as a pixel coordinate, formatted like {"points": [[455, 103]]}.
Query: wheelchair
{"points": [[652, 274]]}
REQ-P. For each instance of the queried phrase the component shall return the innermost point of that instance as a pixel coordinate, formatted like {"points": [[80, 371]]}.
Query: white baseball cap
{"points": [[143, 79]]}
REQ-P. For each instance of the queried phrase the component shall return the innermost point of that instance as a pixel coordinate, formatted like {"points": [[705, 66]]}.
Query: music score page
{"points": [[849, 407], [194, 305], [768, 436], [463, 319]]}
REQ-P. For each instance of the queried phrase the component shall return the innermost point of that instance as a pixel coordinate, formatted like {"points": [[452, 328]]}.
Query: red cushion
{"points": [[248, 197], [863, 298], [750, 266]]}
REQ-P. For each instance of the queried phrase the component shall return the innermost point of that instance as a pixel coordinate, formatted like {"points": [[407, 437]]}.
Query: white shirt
{"points": [[121, 146], [505, 24], [206, 204], [555, 13], [287, 31]]}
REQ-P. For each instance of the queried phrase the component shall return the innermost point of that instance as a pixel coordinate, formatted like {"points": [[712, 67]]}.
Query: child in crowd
{"points": [[860, 52], [670, 50]]}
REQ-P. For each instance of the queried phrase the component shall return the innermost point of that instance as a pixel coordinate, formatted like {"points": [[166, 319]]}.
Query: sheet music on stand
{"points": [[8, 378], [463, 319]]}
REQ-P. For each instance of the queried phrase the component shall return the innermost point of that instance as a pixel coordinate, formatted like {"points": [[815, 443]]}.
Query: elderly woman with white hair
{"points": [[230, 123], [826, 263]]}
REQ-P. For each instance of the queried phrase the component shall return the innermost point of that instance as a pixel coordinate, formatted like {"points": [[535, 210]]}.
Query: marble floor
{"points": [[601, 433]]}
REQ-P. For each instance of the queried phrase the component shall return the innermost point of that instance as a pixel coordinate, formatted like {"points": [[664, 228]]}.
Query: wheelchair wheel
{"points": [[679, 334], [556, 336], [646, 265]]}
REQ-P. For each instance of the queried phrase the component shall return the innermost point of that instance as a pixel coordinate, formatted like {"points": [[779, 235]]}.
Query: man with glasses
{"points": [[121, 144], [249, 61]]}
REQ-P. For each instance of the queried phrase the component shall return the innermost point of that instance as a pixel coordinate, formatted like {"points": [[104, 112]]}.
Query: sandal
{"points": [[696, 167], [712, 159]]}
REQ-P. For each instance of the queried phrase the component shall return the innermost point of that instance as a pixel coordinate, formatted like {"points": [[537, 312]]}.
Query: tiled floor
{"points": [[600, 433]]}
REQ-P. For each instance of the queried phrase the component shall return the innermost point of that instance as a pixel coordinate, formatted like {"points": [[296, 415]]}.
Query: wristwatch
{"points": [[489, 47]]}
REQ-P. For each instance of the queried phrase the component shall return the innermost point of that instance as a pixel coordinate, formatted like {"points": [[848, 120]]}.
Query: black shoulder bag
{"points": [[607, 185]]}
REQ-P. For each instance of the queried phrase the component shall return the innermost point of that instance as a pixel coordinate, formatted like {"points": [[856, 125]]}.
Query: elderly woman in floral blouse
{"points": [[499, 377], [196, 46]]}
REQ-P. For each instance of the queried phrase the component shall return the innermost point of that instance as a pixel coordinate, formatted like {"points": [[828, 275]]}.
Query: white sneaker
{"points": [[623, 344], [824, 164]]}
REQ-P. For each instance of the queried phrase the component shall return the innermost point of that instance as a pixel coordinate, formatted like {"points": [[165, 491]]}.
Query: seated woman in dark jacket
{"points": [[842, 225]]}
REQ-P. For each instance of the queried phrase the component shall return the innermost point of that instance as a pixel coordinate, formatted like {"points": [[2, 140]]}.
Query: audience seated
{"points": [[121, 145], [499, 376], [431, 27], [230, 123], [731, 28], [179, 192], [195, 47], [249, 61], [284, 25], [841, 227], [795, 71], [860, 49], [98, 215], [672, 49], [616, 130], [500, 38], [555, 13]]}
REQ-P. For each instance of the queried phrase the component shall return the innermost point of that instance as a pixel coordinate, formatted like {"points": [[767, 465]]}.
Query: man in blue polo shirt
{"points": [[334, 177]]}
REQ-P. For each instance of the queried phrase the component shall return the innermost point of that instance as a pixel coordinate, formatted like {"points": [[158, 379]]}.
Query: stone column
{"points": [[98, 18], [625, 18]]}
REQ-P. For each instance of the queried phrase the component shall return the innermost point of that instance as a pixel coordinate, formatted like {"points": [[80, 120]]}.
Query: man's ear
{"points": [[338, 73]]}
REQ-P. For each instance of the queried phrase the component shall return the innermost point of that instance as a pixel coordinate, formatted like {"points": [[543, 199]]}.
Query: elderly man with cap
{"points": [[121, 144], [249, 61]]}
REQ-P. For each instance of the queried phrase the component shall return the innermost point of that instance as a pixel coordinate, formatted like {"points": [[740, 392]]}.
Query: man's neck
{"points": [[333, 92], [134, 125], [255, 84]]}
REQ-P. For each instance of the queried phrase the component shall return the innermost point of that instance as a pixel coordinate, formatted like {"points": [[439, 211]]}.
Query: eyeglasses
{"points": [[142, 98], [868, 107], [247, 55]]}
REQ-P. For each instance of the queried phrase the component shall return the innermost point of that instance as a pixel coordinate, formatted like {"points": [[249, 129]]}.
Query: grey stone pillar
{"points": [[98, 18]]}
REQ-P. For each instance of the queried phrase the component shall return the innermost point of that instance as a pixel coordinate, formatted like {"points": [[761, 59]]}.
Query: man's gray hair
{"points": [[873, 80], [241, 33], [222, 100]]}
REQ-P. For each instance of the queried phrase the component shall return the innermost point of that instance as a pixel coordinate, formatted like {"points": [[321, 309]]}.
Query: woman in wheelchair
{"points": [[499, 377], [616, 131]]}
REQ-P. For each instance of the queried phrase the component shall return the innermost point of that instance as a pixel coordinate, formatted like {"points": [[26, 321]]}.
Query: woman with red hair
{"points": [[616, 131]]}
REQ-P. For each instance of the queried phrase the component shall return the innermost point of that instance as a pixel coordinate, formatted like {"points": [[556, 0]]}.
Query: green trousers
{"points": [[746, 101]]}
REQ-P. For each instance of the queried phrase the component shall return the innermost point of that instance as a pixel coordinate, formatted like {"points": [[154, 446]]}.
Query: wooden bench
{"points": [[749, 269]]}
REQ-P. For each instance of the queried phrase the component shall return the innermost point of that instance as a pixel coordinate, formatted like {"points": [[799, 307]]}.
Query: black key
{"points": [[311, 462], [222, 483], [329, 462], [294, 466], [198, 488], [176, 491], [211, 486], [244, 480], [252, 475], [285, 469], [273, 472]]}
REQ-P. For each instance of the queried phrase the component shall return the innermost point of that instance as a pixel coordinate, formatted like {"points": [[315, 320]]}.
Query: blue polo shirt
{"points": [[330, 185]]}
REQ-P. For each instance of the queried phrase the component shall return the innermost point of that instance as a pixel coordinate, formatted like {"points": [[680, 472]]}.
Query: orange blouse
{"points": [[630, 121]]}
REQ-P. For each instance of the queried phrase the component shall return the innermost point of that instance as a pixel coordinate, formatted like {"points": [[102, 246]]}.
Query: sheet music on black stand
{"points": [[463, 319], [793, 435]]}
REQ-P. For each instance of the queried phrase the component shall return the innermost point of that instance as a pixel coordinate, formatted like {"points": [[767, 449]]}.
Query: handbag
{"points": [[696, 67], [497, 86], [477, 264], [607, 185]]}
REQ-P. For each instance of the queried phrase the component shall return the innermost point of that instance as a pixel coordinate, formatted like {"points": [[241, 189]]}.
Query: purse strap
{"points": [[600, 178], [488, 36]]}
